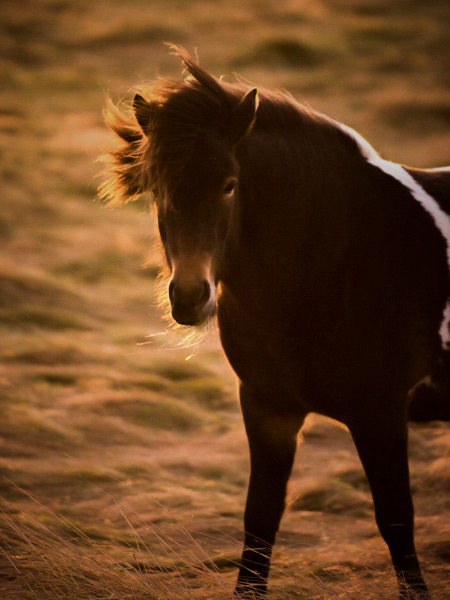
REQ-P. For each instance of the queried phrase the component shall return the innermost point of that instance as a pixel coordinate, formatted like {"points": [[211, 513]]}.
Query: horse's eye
{"points": [[229, 188]]}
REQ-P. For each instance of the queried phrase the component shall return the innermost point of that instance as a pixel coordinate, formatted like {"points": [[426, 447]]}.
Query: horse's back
{"points": [[436, 182]]}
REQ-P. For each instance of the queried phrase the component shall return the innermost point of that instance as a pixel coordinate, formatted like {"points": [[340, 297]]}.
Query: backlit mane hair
{"points": [[179, 113], [171, 115]]}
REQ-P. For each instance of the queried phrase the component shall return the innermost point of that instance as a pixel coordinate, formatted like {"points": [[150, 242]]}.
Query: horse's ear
{"points": [[143, 111], [244, 115]]}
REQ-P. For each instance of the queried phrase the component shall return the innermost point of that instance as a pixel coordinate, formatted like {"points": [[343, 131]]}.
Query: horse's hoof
{"points": [[247, 591], [415, 593]]}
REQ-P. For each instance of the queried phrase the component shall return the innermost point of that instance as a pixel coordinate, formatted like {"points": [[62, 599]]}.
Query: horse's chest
{"points": [[256, 348]]}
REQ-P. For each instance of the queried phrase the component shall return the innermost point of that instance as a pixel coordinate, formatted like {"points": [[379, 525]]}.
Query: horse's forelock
{"points": [[207, 81], [183, 112], [153, 156]]}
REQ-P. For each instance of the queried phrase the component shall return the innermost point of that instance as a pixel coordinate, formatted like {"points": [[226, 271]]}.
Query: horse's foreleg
{"points": [[381, 440], [273, 441]]}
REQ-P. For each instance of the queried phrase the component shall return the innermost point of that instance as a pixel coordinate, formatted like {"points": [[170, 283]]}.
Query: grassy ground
{"points": [[123, 466]]}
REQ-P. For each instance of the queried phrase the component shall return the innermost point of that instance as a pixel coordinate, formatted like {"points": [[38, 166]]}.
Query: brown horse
{"points": [[329, 271]]}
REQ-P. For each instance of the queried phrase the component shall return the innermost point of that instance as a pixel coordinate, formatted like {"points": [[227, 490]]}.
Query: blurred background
{"points": [[123, 460]]}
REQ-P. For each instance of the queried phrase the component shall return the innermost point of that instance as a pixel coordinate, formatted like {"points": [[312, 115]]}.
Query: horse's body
{"points": [[333, 279]]}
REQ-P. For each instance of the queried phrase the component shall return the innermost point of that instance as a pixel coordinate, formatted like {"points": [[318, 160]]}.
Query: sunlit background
{"points": [[123, 466]]}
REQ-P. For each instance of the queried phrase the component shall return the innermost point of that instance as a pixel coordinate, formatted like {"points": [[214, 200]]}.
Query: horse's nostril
{"points": [[190, 295], [172, 292], [206, 292]]}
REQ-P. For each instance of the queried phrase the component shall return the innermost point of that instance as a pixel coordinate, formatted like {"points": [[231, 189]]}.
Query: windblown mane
{"points": [[179, 113], [156, 147], [123, 173]]}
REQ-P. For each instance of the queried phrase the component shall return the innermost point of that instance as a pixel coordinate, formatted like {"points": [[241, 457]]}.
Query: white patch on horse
{"points": [[440, 218]]}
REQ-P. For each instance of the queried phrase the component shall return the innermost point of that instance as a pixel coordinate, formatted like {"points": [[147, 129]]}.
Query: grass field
{"points": [[123, 460]]}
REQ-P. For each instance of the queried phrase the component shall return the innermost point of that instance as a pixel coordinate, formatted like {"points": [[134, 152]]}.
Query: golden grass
{"points": [[54, 557]]}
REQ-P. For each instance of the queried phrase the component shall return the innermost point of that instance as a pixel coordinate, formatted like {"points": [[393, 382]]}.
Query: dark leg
{"points": [[273, 441], [381, 440], [430, 402]]}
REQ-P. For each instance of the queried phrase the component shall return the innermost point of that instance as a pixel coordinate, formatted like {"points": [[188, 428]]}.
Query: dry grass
{"points": [[123, 466]]}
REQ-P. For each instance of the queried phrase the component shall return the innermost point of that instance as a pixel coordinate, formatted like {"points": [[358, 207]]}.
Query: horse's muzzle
{"points": [[191, 303]]}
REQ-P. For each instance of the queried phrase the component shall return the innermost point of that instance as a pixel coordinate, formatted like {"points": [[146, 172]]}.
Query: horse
{"points": [[327, 268]]}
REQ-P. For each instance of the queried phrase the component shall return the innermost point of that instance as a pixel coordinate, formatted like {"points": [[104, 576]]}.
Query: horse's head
{"points": [[192, 132], [194, 219]]}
